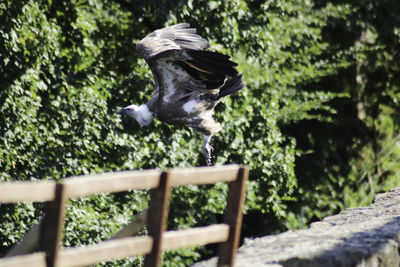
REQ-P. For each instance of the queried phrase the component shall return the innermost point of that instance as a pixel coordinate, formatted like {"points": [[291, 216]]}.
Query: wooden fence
{"points": [[158, 239]]}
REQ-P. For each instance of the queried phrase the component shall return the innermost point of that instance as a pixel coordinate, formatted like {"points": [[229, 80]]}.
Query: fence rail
{"points": [[158, 239]]}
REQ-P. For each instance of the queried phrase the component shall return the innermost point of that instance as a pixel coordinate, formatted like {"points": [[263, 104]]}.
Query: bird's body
{"points": [[188, 81]]}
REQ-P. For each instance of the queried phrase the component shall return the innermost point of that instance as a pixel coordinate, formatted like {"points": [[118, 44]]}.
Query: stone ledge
{"points": [[367, 236]]}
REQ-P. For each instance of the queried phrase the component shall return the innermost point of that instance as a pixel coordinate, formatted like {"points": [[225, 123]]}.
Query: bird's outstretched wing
{"points": [[179, 36], [180, 66]]}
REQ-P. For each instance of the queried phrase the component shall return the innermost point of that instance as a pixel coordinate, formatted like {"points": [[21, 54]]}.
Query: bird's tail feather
{"points": [[231, 86]]}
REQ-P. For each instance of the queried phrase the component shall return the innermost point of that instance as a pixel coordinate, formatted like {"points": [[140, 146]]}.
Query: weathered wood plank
{"points": [[31, 260], [199, 236], [13, 192], [157, 219], [111, 183], [233, 217], [204, 175], [125, 247], [105, 251]]}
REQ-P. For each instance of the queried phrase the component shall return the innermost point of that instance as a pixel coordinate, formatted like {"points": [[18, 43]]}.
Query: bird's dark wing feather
{"points": [[184, 74]]}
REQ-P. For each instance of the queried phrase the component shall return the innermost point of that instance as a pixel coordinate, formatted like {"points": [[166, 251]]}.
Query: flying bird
{"points": [[188, 81]]}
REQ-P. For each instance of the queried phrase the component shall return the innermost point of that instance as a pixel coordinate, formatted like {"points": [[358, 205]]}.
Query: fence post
{"points": [[52, 227], [157, 219], [233, 217]]}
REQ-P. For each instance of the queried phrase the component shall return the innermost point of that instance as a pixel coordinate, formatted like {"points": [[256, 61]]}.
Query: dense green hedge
{"points": [[321, 103]]}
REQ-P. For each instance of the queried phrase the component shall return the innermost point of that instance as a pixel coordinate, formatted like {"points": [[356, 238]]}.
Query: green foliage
{"points": [[320, 110], [376, 171]]}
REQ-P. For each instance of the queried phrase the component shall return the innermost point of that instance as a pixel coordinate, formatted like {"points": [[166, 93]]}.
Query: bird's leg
{"points": [[207, 149]]}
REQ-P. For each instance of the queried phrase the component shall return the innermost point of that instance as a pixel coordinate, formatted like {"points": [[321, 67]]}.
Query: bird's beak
{"points": [[120, 111]]}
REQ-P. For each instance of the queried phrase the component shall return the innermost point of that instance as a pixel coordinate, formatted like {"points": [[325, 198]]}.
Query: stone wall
{"points": [[367, 236]]}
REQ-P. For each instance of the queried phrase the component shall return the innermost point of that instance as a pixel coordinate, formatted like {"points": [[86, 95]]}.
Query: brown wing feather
{"points": [[179, 36]]}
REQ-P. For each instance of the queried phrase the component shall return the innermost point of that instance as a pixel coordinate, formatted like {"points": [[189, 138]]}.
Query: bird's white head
{"points": [[141, 113]]}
